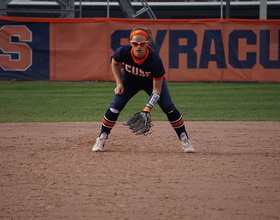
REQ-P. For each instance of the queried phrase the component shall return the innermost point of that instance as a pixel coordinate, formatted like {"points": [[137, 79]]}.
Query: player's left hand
{"points": [[139, 123]]}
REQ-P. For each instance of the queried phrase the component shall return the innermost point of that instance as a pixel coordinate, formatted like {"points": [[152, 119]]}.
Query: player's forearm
{"points": [[155, 96], [157, 86], [117, 76], [116, 69]]}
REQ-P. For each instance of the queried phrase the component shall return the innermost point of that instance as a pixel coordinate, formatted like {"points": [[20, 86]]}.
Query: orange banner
{"points": [[191, 50], [79, 51]]}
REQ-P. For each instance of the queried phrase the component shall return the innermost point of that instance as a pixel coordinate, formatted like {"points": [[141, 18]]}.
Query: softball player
{"points": [[142, 70]]}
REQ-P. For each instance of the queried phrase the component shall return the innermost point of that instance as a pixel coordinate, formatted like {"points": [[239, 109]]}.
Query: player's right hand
{"points": [[119, 89]]}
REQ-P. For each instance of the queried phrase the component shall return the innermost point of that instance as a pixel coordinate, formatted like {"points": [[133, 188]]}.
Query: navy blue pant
{"points": [[131, 88]]}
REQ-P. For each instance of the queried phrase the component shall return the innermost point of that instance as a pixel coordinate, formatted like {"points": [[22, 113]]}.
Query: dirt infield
{"points": [[48, 171]]}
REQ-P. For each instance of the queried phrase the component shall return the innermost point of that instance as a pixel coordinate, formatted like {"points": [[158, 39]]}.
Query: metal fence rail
{"points": [[160, 9]]}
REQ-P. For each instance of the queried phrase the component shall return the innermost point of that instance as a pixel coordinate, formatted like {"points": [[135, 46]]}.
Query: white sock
{"points": [[183, 136], [103, 135]]}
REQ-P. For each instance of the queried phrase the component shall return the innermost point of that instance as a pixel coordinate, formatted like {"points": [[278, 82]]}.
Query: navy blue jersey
{"points": [[149, 67]]}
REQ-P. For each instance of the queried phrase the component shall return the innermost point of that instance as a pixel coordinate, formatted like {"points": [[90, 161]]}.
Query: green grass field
{"points": [[86, 101]]}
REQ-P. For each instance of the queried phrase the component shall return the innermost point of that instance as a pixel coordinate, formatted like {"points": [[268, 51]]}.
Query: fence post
{"points": [[263, 9]]}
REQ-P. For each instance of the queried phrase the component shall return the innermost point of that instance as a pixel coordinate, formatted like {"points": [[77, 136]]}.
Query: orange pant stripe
{"points": [[111, 124], [177, 123]]}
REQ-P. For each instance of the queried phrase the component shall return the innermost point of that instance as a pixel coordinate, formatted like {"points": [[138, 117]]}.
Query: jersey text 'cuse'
{"points": [[135, 70]]}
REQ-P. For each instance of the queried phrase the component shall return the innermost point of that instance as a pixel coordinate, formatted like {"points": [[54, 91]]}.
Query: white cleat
{"points": [[187, 146], [99, 144]]}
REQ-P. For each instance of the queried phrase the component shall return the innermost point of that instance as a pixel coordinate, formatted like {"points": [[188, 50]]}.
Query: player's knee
{"points": [[116, 111]]}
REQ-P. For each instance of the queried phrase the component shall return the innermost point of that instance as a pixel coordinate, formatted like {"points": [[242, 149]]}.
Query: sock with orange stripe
{"points": [[109, 120], [177, 122]]}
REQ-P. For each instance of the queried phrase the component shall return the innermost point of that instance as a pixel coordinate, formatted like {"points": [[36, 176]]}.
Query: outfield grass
{"points": [[86, 101]]}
